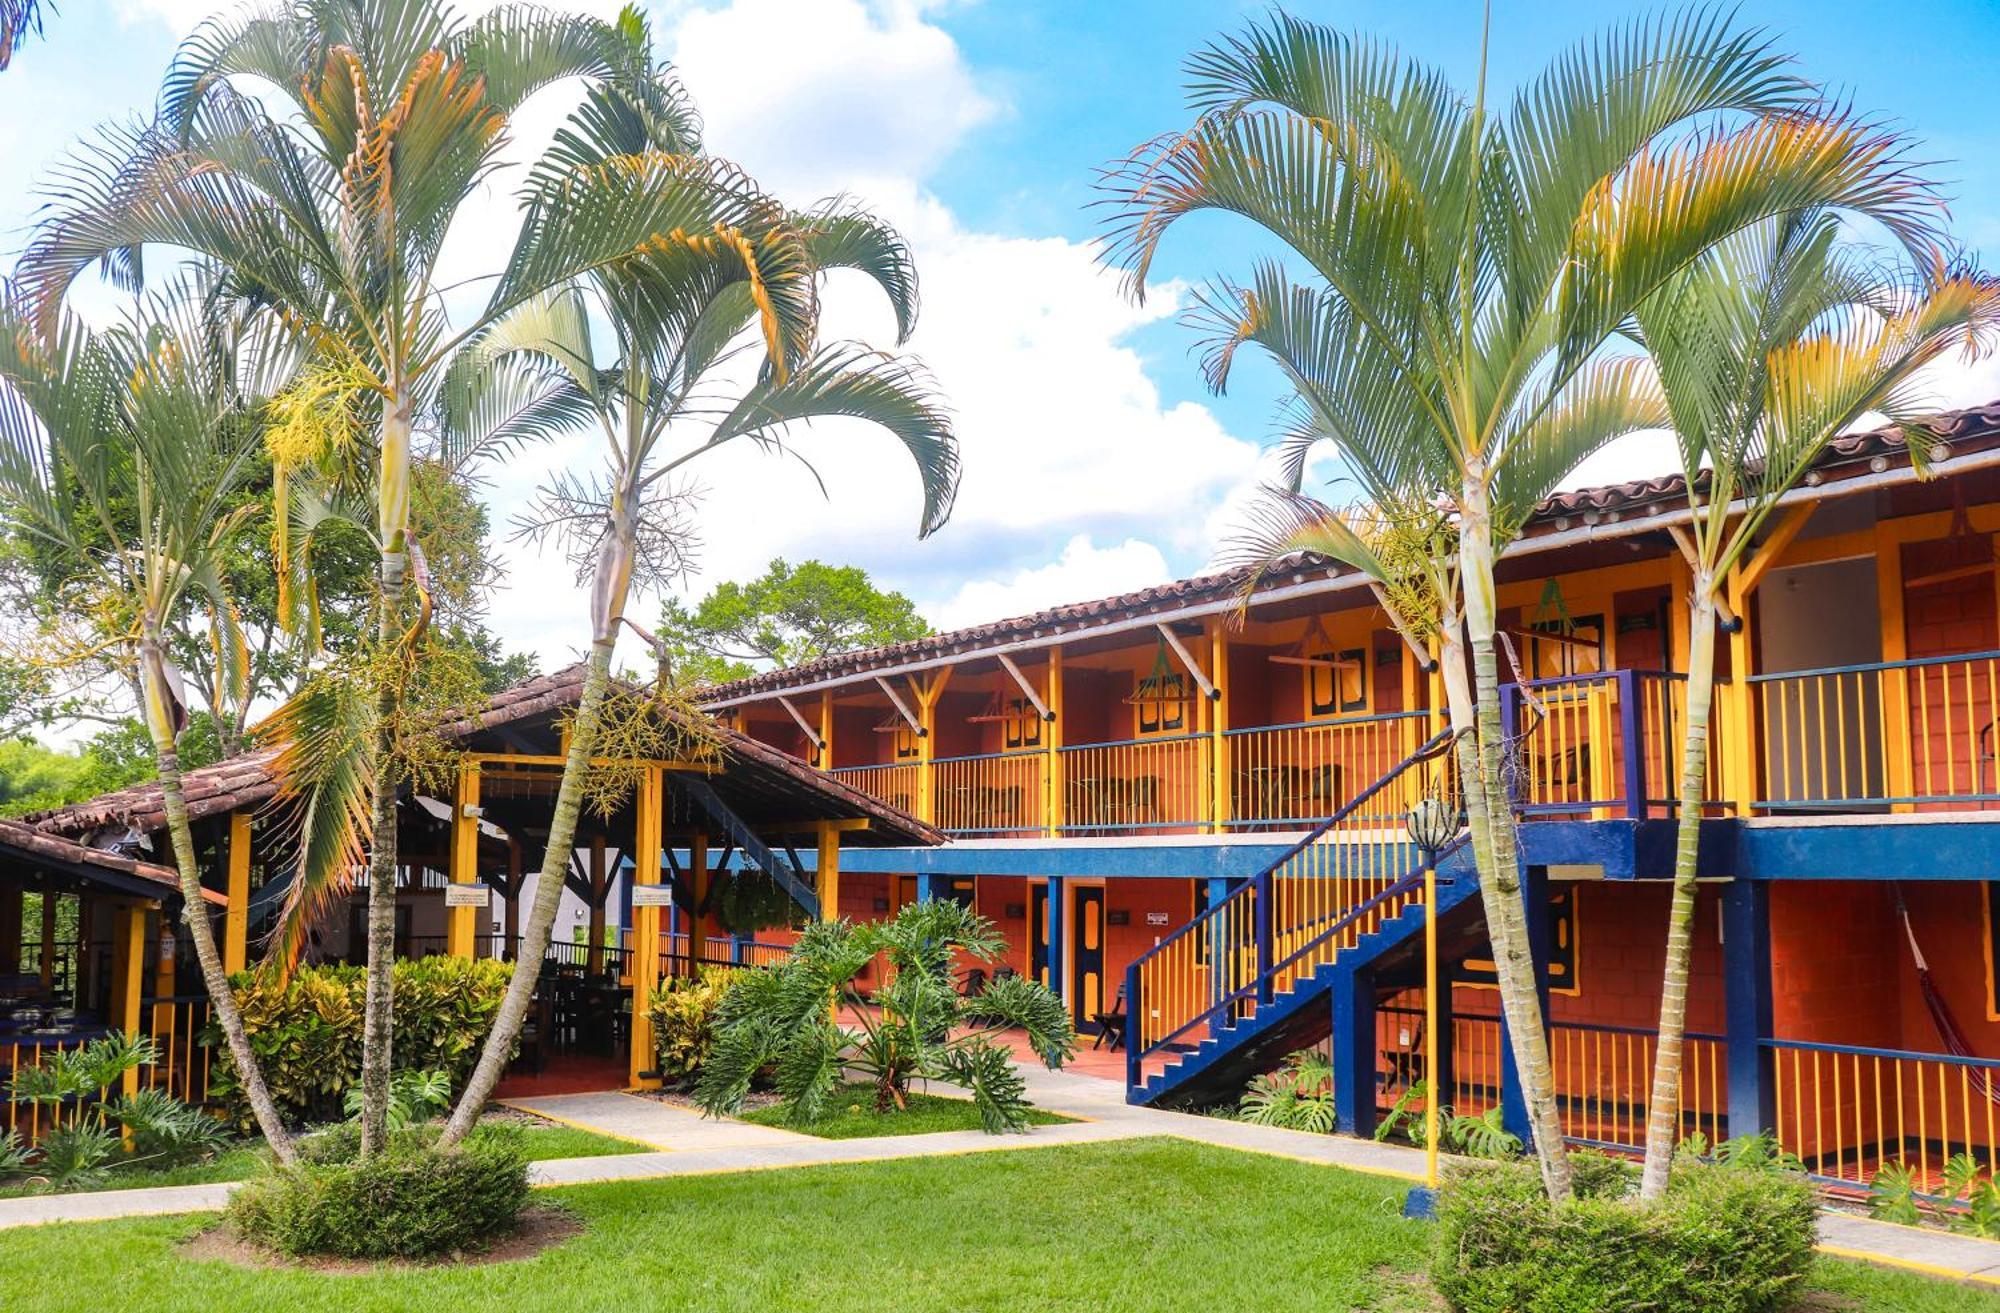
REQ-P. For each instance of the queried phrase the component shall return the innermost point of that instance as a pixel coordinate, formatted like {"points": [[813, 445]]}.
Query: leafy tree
{"points": [[163, 410], [1465, 265], [917, 1026], [787, 617], [716, 342], [1769, 347], [395, 113], [35, 778]]}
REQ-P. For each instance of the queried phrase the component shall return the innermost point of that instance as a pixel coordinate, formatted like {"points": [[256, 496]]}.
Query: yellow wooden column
{"points": [[646, 840], [461, 923], [236, 919], [927, 700], [1897, 754], [128, 956], [825, 756], [1219, 802], [1739, 741], [829, 872], [699, 922], [1052, 741]]}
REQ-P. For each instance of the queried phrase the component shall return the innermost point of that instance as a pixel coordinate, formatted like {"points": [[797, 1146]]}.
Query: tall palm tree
{"points": [[18, 18], [700, 357], [336, 216], [124, 453], [1771, 345], [1485, 256]]}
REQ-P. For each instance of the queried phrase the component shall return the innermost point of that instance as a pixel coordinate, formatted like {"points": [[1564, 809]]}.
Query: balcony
{"points": [[1917, 735]]}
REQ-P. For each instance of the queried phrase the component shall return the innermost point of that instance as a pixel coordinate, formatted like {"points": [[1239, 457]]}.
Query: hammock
{"points": [[1955, 1042]]}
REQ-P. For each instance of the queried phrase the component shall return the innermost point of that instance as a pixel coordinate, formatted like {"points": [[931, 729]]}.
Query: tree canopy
{"points": [[790, 615]]}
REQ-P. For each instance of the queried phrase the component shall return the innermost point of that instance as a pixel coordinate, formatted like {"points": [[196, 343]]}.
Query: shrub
{"points": [[1298, 1096], [683, 1013], [1721, 1241], [306, 1030], [412, 1200]]}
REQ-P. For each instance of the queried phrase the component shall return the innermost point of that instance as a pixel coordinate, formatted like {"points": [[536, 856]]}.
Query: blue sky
{"points": [[1095, 460]]}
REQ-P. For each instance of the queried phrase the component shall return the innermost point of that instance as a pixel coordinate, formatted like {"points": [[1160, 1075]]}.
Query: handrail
{"points": [[1332, 722], [1860, 1050], [1909, 663], [1192, 737], [1423, 754]]}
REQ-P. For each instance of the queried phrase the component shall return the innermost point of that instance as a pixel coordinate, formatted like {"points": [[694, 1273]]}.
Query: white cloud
{"points": [[1083, 570]]}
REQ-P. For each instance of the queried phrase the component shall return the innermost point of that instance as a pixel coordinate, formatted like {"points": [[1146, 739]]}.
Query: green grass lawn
{"points": [[544, 1140], [1132, 1225], [854, 1116]]}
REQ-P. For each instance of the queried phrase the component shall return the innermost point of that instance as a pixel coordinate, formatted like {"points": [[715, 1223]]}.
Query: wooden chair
{"points": [[1111, 1025]]}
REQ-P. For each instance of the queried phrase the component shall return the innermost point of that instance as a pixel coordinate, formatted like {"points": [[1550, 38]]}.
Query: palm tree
{"points": [[336, 217], [1770, 346], [18, 18], [684, 335], [124, 454], [1484, 257]]}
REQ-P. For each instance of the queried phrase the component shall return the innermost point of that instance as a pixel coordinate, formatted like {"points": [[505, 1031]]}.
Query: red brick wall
{"points": [[1836, 974]]}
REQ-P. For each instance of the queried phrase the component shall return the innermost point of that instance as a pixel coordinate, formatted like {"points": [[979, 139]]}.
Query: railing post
{"points": [[1632, 743], [1134, 1010], [1746, 933], [1261, 893]]}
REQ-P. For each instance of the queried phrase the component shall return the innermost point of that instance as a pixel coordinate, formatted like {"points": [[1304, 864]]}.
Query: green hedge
{"points": [[1722, 1241], [306, 1031], [409, 1201]]}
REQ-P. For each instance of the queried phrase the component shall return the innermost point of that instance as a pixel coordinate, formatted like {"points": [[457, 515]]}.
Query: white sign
{"points": [[468, 895], [1156, 918], [652, 895]]}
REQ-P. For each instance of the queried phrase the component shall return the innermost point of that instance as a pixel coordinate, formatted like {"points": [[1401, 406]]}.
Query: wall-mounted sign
{"points": [[1118, 916], [1156, 918], [1017, 911], [468, 895], [652, 895]]}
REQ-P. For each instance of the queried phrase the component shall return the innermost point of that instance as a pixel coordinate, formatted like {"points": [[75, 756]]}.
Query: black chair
{"points": [[1111, 1025]]}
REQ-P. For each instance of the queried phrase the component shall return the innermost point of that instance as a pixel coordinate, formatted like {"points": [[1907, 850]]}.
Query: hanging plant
{"points": [[749, 901]]}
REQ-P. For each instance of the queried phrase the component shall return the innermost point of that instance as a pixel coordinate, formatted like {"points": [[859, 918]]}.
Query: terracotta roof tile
{"points": [[25, 839]]}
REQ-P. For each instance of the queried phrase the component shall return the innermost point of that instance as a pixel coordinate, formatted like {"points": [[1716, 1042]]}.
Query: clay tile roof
{"points": [[1973, 428], [24, 843], [759, 781]]}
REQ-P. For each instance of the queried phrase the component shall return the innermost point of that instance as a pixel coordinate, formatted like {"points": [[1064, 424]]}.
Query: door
{"points": [[1087, 958], [1038, 935]]}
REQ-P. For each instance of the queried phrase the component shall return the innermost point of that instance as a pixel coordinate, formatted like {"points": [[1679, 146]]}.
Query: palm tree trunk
{"points": [[194, 911], [378, 999], [1501, 890], [610, 588], [1663, 1112]]}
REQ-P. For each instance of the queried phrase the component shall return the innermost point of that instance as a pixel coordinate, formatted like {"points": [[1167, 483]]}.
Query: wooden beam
{"points": [[461, 923], [805, 728], [909, 717], [236, 920], [1173, 640], [1027, 689], [1790, 521]]}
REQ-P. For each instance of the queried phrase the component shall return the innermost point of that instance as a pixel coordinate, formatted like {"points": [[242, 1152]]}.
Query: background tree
{"points": [[163, 412], [1466, 265], [788, 616], [1769, 347]]}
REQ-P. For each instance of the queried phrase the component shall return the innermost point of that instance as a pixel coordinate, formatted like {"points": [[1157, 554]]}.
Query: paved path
{"points": [[689, 1145]]}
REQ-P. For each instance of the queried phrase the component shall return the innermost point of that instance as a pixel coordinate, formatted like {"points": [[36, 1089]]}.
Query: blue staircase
{"points": [[1258, 974]]}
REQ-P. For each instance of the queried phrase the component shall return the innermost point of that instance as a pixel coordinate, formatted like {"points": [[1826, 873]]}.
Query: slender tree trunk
{"points": [[378, 999], [1663, 1110], [194, 911], [1500, 884], [610, 587]]}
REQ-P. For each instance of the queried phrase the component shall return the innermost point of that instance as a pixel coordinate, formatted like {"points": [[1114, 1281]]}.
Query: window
{"points": [[1561, 968], [1337, 682], [1162, 702], [1023, 724], [1571, 647], [906, 743]]}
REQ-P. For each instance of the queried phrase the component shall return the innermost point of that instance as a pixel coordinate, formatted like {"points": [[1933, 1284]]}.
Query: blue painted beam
{"points": [[1746, 959], [1923, 846], [1353, 1042]]}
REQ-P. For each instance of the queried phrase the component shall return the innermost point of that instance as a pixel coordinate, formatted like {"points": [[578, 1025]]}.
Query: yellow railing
{"points": [[1848, 1111], [1604, 1080], [897, 784], [1295, 776], [1905, 732], [1005, 794], [176, 1025], [1138, 785]]}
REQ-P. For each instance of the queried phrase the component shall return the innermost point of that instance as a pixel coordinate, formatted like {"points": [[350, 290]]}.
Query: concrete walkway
{"points": [[690, 1145]]}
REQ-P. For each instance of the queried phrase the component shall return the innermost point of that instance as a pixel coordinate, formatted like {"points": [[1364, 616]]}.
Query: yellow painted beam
{"points": [[829, 873], [1898, 757], [461, 923], [236, 919], [1783, 530], [1218, 726], [1052, 741], [1739, 746], [541, 759], [129, 962], [646, 840]]}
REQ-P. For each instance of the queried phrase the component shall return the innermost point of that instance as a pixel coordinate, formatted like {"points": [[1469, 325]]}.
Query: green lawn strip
{"points": [[854, 1116], [544, 1141], [1140, 1225]]}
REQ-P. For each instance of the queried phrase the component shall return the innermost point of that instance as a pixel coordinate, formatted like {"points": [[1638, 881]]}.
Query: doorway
{"points": [[1087, 957], [1822, 731]]}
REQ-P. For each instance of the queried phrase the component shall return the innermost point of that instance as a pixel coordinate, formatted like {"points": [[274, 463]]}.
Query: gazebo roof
{"points": [[23, 845]]}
